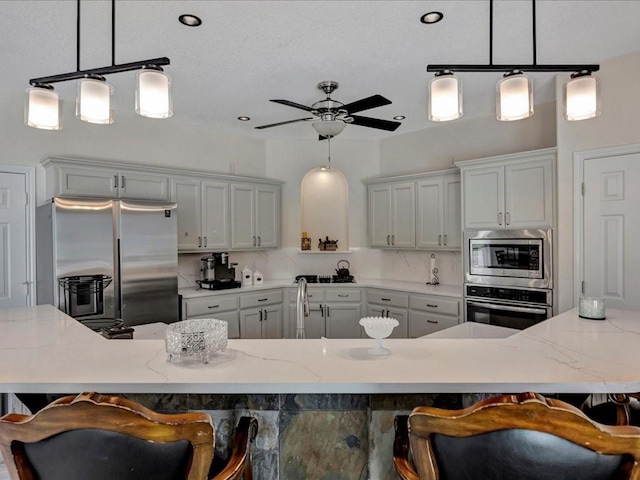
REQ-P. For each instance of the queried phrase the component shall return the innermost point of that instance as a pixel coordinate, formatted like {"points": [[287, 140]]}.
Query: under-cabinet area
{"points": [[334, 311]]}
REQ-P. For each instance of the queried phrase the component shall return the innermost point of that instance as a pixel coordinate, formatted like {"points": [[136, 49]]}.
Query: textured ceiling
{"points": [[247, 52]]}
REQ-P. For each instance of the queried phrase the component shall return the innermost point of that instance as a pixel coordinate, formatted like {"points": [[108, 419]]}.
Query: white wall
{"points": [[618, 124], [130, 138]]}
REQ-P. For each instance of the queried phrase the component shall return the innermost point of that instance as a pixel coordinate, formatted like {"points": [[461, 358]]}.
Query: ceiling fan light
{"points": [[153, 93], [42, 108], [581, 97], [93, 104], [514, 97], [329, 128], [445, 97]]}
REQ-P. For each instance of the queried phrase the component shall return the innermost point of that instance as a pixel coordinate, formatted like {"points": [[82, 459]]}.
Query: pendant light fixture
{"points": [[514, 92], [445, 97], [43, 108], [93, 104]]}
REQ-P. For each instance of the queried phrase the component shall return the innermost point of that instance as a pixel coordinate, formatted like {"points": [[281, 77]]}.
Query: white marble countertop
{"points": [[43, 350], [401, 286], [473, 330]]}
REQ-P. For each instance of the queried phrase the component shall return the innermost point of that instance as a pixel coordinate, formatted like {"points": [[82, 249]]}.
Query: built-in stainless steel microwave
{"points": [[509, 257]]}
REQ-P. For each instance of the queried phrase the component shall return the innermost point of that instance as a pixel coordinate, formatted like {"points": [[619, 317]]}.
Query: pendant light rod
{"points": [[533, 67], [113, 68]]}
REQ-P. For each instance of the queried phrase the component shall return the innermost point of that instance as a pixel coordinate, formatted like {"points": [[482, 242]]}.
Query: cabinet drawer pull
{"points": [[385, 299], [432, 321], [343, 295], [213, 306], [431, 305], [445, 240], [439, 239], [263, 299]]}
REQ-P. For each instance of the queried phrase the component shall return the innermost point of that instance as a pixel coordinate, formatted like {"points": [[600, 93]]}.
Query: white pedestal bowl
{"points": [[378, 328]]}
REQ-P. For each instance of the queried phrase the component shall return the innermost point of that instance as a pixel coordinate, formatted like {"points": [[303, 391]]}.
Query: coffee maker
{"points": [[217, 272]]}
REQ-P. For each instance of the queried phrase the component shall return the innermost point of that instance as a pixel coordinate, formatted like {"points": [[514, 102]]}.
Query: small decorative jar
{"points": [[258, 279], [247, 277], [592, 308]]}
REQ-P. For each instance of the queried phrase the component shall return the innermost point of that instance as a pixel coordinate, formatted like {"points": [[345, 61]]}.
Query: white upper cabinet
{"points": [[510, 191], [255, 216], [438, 219], [415, 211], [72, 178], [392, 215], [203, 214]]}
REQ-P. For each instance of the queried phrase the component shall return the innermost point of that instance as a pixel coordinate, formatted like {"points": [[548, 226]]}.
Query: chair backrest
{"points": [[106, 437], [524, 437]]}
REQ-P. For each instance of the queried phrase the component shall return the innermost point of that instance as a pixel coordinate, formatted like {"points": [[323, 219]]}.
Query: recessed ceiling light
{"points": [[244, 118], [431, 17], [190, 20], [399, 117]]}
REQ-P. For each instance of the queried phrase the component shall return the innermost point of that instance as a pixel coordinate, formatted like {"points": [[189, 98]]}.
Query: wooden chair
{"points": [[519, 437], [93, 436]]}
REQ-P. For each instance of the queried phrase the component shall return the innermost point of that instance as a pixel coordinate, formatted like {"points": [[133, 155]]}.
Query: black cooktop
{"points": [[326, 278]]}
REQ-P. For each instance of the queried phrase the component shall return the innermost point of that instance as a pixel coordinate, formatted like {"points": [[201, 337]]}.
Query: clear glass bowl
{"points": [[196, 339], [379, 328]]}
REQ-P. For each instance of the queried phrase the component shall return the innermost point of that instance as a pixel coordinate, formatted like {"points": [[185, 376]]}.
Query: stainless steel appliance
{"points": [[510, 307], [218, 273], [326, 278], [509, 257], [83, 242]]}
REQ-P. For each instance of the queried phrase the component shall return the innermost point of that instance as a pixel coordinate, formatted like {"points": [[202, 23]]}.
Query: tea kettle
{"points": [[343, 271]]}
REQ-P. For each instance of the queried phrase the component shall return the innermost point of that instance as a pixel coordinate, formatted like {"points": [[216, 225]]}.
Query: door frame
{"points": [[30, 179], [579, 160]]}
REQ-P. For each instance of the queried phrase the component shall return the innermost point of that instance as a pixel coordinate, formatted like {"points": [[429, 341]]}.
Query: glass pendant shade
{"points": [[514, 97], [93, 104], [581, 97], [329, 128], [153, 94], [43, 108], [445, 98]]}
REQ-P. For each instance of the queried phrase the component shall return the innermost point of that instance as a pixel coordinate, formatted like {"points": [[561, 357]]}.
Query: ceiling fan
{"points": [[332, 116]]}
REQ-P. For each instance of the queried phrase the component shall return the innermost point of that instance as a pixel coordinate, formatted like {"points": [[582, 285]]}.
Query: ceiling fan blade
{"points": [[293, 104], [283, 123], [374, 123], [366, 103]]}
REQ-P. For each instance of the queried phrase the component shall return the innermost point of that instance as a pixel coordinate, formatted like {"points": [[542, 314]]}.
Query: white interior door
{"points": [[14, 254], [611, 232]]}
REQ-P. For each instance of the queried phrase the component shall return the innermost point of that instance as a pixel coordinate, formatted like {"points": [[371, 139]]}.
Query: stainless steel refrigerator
{"points": [[108, 259]]}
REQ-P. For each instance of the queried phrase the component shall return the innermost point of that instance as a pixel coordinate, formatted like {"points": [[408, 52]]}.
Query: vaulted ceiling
{"points": [[247, 52]]}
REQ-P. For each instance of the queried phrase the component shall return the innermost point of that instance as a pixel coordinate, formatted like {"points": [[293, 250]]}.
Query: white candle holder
{"points": [[592, 308]]}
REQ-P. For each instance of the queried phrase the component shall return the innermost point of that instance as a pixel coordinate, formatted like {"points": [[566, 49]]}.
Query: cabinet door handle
{"points": [[199, 241], [432, 321], [254, 241], [115, 181], [431, 305], [385, 299], [500, 218], [439, 239], [259, 240], [213, 306], [388, 239], [445, 240], [205, 241], [387, 314], [260, 315], [507, 218], [328, 313], [322, 310], [393, 239], [265, 315], [263, 299], [122, 182], [342, 295]]}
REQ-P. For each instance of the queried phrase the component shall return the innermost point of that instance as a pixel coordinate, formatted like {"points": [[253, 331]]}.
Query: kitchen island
{"points": [[332, 387], [44, 350]]}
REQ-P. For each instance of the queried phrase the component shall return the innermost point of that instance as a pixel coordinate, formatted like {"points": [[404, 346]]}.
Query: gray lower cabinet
{"points": [[430, 313], [333, 313], [261, 314], [221, 307], [389, 304]]}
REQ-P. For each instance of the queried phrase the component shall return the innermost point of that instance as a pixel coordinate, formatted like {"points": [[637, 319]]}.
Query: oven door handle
{"points": [[493, 306]]}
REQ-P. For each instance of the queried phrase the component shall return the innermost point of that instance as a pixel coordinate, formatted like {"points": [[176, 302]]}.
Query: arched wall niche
{"points": [[325, 207]]}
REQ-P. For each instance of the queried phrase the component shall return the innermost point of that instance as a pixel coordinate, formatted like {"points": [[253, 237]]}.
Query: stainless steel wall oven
{"points": [[508, 277]]}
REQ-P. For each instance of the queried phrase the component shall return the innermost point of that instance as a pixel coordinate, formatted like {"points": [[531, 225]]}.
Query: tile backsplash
{"points": [[285, 264]]}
